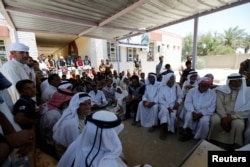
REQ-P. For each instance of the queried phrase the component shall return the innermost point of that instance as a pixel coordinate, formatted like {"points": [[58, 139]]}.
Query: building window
{"points": [[2, 49], [3, 56], [150, 54], [168, 46], [112, 52], [131, 52]]}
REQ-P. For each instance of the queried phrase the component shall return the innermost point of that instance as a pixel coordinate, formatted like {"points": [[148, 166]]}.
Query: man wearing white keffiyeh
{"points": [[233, 107], [200, 105], [72, 122], [98, 145], [170, 97], [147, 112]]}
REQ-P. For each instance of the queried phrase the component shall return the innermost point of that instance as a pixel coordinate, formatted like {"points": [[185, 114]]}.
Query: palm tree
{"points": [[234, 37]]}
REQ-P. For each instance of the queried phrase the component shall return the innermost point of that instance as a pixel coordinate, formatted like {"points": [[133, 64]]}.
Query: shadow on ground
{"points": [[143, 147]]}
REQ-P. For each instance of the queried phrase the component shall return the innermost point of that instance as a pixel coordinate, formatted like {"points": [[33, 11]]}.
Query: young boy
{"points": [[24, 108]]}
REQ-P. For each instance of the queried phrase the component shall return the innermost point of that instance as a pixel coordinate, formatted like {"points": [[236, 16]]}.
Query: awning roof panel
{"points": [[104, 19]]}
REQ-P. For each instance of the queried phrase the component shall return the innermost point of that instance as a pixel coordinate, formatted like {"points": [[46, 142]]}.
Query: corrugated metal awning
{"points": [[104, 19]]}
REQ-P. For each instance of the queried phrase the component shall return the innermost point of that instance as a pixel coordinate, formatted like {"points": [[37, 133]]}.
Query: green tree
{"points": [[217, 44], [212, 44], [187, 48], [234, 37], [207, 43]]}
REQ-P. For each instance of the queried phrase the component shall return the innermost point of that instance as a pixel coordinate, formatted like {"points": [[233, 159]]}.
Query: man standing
{"points": [[159, 66], [108, 67], [200, 105], [102, 67], [167, 70], [232, 109], [28, 67], [245, 70], [170, 98], [183, 64], [137, 65], [13, 70], [186, 72]]}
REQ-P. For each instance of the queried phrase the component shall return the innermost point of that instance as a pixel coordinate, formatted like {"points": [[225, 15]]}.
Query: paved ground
{"points": [[140, 146], [143, 147]]}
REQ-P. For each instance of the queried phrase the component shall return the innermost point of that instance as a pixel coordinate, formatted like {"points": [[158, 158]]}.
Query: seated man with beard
{"points": [[233, 108], [50, 114], [147, 113], [72, 122], [200, 106]]}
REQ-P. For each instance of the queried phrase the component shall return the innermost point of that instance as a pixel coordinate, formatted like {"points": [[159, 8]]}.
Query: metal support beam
{"points": [[66, 19], [6, 15], [128, 36], [118, 57], [195, 42], [124, 28], [87, 31], [135, 5], [53, 17], [201, 14], [117, 15], [45, 32]]}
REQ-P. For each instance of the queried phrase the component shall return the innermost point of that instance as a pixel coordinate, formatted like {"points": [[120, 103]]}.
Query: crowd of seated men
{"points": [[54, 111]]}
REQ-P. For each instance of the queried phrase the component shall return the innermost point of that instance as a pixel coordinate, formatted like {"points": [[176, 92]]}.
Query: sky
{"points": [[216, 22]]}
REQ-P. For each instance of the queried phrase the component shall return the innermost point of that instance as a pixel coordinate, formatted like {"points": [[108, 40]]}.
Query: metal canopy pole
{"points": [[195, 42], [118, 56]]}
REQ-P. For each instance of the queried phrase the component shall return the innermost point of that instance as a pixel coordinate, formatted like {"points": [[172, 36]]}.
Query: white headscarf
{"points": [[190, 74], [69, 116], [17, 46], [124, 77], [242, 101], [65, 85], [147, 82], [87, 145], [166, 79]]}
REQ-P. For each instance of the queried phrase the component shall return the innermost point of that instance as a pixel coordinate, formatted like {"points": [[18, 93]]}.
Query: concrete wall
{"points": [[61, 52], [222, 61], [29, 39]]}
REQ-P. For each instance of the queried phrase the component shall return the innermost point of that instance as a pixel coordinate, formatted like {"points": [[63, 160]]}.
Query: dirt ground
{"points": [[143, 147]]}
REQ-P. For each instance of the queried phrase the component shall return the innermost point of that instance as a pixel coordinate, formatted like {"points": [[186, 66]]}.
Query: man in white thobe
{"points": [[191, 82], [72, 122], [97, 145], [232, 110], [6, 104], [13, 70], [28, 67], [170, 98], [98, 99], [54, 81], [147, 112], [200, 105]]}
